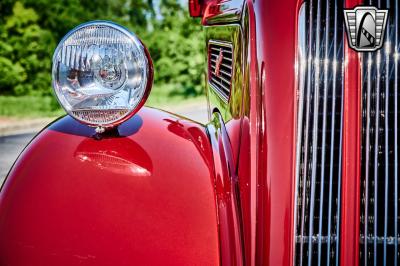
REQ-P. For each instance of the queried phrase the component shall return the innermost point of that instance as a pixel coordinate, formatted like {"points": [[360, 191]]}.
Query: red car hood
{"points": [[143, 195]]}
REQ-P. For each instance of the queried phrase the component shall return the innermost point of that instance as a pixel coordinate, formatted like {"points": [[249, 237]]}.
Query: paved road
{"points": [[12, 146]]}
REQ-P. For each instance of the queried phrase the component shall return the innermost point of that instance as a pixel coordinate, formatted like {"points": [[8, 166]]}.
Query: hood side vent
{"points": [[220, 68]]}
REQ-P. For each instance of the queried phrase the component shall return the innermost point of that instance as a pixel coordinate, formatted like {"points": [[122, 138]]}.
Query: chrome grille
{"points": [[379, 236], [319, 137], [220, 58]]}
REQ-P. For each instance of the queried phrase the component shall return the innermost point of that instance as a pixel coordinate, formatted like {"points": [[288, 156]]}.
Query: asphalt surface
{"points": [[12, 146]]}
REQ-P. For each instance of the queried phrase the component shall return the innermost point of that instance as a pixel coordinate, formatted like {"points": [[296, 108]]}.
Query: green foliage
{"points": [[30, 30], [11, 75], [177, 47], [25, 53]]}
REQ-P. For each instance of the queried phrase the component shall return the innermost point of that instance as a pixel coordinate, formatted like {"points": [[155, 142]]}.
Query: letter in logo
{"points": [[218, 63], [365, 27]]}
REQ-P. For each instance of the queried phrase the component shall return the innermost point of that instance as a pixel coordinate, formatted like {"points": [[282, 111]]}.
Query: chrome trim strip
{"points": [[221, 43], [396, 158], [325, 103], [340, 169], [301, 67], [315, 129], [367, 153], [334, 66], [309, 67], [387, 70], [376, 145]]}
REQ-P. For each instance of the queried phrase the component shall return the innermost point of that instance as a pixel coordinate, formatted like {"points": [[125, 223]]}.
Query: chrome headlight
{"points": [[102, 74]]}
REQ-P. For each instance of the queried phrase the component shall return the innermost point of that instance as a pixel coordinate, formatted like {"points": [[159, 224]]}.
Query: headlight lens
{"points": [[102, 73]]}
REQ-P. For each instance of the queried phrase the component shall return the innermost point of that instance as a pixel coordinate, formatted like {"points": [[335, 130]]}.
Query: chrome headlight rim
{"points": [[149, 73]]}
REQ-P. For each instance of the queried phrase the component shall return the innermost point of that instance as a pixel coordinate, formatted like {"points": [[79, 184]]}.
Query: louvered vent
{"points": [[319, 133], [220, 64], [379, 228]]}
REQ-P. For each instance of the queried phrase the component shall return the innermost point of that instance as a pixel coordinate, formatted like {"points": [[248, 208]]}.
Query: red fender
{"points": [[227, 192], [142, 194]]}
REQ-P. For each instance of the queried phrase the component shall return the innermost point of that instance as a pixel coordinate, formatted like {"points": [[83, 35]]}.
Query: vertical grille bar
{"points": [[339, 175], [332, 139], [367, 153], [301, 70], [318, 155], [379, 180], [387, 71], [305, 158], [315, 134], [396, 159], [324, 118], [376, 145]]}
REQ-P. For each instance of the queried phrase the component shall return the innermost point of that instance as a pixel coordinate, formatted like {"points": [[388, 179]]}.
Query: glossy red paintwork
{"points": [[227, 196], [196, 8], [273, 113], [142, 195], [350, 210], [266, 157], [247, 168]]}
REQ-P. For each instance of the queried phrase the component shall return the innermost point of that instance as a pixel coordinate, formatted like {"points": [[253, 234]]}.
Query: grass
{"points": [[47, 106], [163, 97], [29, 106]]}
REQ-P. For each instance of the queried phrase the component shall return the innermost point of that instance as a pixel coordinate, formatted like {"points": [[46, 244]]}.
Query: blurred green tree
{"points": [[25, 53], [177, 48]]}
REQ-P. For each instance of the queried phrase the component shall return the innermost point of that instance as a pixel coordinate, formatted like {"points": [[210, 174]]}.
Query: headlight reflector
{"points": [[102, 73]]}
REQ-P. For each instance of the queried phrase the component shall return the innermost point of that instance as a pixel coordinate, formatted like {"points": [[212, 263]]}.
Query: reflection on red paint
{"points": [[118, 156]]}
